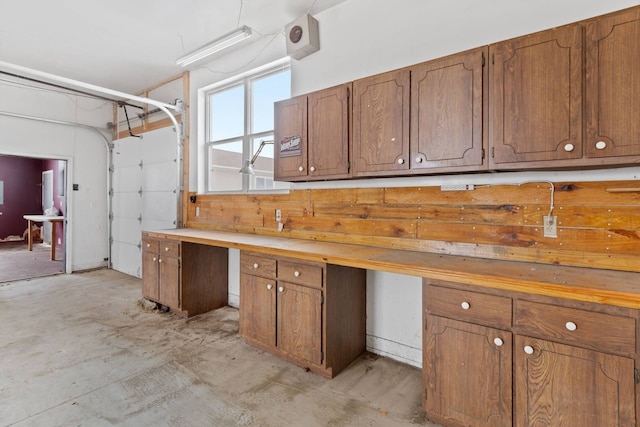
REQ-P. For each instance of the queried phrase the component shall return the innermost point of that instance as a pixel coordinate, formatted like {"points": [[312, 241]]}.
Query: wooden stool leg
{"points": [[53, 241], [30, 239]]}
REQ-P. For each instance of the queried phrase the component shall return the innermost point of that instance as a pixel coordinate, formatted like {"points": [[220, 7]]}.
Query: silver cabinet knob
{"points": [[498, 342], [269, 286], [296, 273], [281, 289], [312, 168], [465, 305], [568, 147], [300, 168], [418, 159], [528, 349], [401, 161], [166, 249], [571, 326], [601, 145], [160, 260], [148, 245], [256, 265], [155, 259]]}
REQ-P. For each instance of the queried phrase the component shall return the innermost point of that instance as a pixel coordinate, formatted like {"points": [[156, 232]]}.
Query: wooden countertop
{"points": [[583, 284]]}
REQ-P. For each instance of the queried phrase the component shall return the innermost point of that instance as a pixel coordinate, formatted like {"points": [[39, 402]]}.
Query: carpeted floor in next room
{"points": [[18, 263]]}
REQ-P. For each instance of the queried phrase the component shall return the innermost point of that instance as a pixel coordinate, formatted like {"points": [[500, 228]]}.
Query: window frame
{"points": [[249, 140]]}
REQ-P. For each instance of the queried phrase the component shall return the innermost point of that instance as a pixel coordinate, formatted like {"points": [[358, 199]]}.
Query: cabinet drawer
{"points": [[150, 245], [598, 331], [258, 265], [468, 306], [169, 248], [304, 274]]}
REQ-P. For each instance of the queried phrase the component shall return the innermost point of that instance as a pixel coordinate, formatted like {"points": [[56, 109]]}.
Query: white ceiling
{"points": [[129, 45]]}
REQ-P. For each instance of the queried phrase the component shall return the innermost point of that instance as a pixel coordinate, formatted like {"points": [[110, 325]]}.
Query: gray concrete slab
{"points": [[81, 350]]}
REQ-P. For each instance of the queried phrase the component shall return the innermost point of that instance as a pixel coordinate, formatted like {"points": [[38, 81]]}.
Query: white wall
{"points": [[84, 150], [359, 38]]}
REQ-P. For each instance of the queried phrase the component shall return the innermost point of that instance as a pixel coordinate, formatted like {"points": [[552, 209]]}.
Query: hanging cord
{"points": [[551, 187], [240, 13], [311, 7], [551, 204], [126, 115]]}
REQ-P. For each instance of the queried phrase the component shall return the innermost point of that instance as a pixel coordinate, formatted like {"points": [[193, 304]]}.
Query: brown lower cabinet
{"points": [[161, 271], [312, 314], [557, 384], [188, 278], [467, 375], [499, 358]]}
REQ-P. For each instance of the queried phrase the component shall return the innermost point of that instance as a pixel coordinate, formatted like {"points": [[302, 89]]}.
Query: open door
{"points": [[47, 203]]}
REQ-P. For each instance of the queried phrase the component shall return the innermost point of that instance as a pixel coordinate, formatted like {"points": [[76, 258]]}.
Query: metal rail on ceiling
{"points": [[166, 108]]}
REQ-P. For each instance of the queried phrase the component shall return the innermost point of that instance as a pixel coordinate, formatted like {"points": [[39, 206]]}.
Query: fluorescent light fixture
{"points": [[215, 46]]}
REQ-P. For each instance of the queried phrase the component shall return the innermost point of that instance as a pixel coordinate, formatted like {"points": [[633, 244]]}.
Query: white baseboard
{"points": [[234, 300], [395, 350]]}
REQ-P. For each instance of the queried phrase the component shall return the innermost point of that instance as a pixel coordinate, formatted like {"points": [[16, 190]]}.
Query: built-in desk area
{"points": [[575, 283], [536, 333]]}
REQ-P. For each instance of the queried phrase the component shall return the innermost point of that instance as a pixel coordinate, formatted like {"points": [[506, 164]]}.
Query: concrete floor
{"points": [[80, 350]]}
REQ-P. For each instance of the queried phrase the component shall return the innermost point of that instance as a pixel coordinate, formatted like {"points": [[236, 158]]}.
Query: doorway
{"points": [[29, 188]]}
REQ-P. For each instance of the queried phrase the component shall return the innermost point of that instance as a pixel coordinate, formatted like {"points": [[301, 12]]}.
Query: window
{"points": [[239, 117]]}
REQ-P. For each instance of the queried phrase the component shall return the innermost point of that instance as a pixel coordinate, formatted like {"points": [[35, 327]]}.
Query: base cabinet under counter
{"points": [[498, 358], [557, 384], [312, 314], [161, 271], [188, 278]]}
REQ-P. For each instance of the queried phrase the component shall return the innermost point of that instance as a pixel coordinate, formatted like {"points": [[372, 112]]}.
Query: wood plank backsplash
{"points": [[598, 222]]}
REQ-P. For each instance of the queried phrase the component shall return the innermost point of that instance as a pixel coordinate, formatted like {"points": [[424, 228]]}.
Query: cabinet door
{"points": [[535, 105], [562, 385], [258, 309], [381, 124], [612, 85], [169, 281], [447, 114], [328, 123], [300, 322], [290, 139], [467, 373], [150, 275]]}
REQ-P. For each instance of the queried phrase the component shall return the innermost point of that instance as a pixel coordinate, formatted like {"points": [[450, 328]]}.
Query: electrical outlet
{"points": [[197, 210], [278, 215], [550, 226]]}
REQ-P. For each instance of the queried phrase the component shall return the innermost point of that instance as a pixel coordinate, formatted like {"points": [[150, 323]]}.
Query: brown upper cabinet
{"points": [[535, 111], [381, 124], [541, 115], [448, 113], [613, 87], [424, 119], [290, 139], [567, 97], [312, 135]]}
